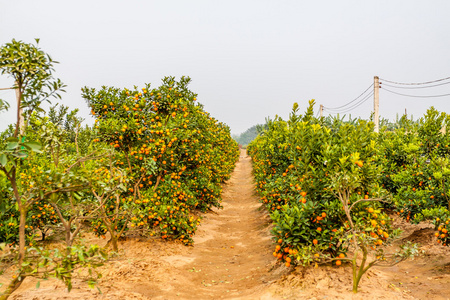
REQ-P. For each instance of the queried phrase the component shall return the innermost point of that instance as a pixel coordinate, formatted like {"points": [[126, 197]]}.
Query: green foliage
{"points": [[321, 181], [301, 167], [31, 68], [175, 154], [416, 167], [37, 171]]}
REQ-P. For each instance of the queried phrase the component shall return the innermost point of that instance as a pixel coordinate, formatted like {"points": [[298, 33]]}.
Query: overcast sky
{"points": [[248, 60]]}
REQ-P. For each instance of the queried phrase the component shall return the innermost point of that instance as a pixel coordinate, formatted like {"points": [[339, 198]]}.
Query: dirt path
{"points": [[231, 256]]}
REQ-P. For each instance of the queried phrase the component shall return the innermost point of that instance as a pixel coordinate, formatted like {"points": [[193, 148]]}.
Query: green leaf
{"points": [[21, 154], [12, 145], [38, 284], [3, 159], [34, 146], [81, 256]]}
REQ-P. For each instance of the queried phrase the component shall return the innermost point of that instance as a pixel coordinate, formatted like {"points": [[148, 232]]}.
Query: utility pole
{"points": [[321, 110], [376, 103]]}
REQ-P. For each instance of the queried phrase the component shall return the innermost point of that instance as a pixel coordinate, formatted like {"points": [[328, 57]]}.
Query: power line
{"points": [[416, 96], [350, 108], [413, 87], [339, 107], [345, 110], [415, 83]]}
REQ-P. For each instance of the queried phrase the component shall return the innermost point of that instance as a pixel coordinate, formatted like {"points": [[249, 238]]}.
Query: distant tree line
{"points": [[249, 135]]}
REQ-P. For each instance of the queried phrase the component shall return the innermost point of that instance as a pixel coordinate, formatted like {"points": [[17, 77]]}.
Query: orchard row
{"points": [[151, 163], [327, 184], [153, 158]]}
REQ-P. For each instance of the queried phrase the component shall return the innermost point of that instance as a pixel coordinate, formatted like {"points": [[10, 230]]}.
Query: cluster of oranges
{"points": [[286, 254], [442, 231]]}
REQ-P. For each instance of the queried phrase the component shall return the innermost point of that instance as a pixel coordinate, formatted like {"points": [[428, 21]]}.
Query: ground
{"points": [[232, 259]]}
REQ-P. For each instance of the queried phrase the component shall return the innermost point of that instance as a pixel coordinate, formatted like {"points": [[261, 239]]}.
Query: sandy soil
{"points": [[232, 259]]}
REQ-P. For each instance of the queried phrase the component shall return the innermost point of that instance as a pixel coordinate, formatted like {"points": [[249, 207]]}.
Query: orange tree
{"points": [[47, 183], [294, 165], [417, 169], [320, 181], [175, 154], [34, 174]]}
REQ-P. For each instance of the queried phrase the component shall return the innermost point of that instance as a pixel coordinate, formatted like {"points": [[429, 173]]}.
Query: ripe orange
{"points": [[315, 242], [338, 263]]}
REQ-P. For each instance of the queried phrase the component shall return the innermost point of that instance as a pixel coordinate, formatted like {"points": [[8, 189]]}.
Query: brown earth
{"points": [[232, 259]]}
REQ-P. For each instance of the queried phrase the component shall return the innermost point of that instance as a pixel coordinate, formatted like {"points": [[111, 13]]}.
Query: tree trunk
{"points": [[115, 246], [23, 220], [20, 121]]}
